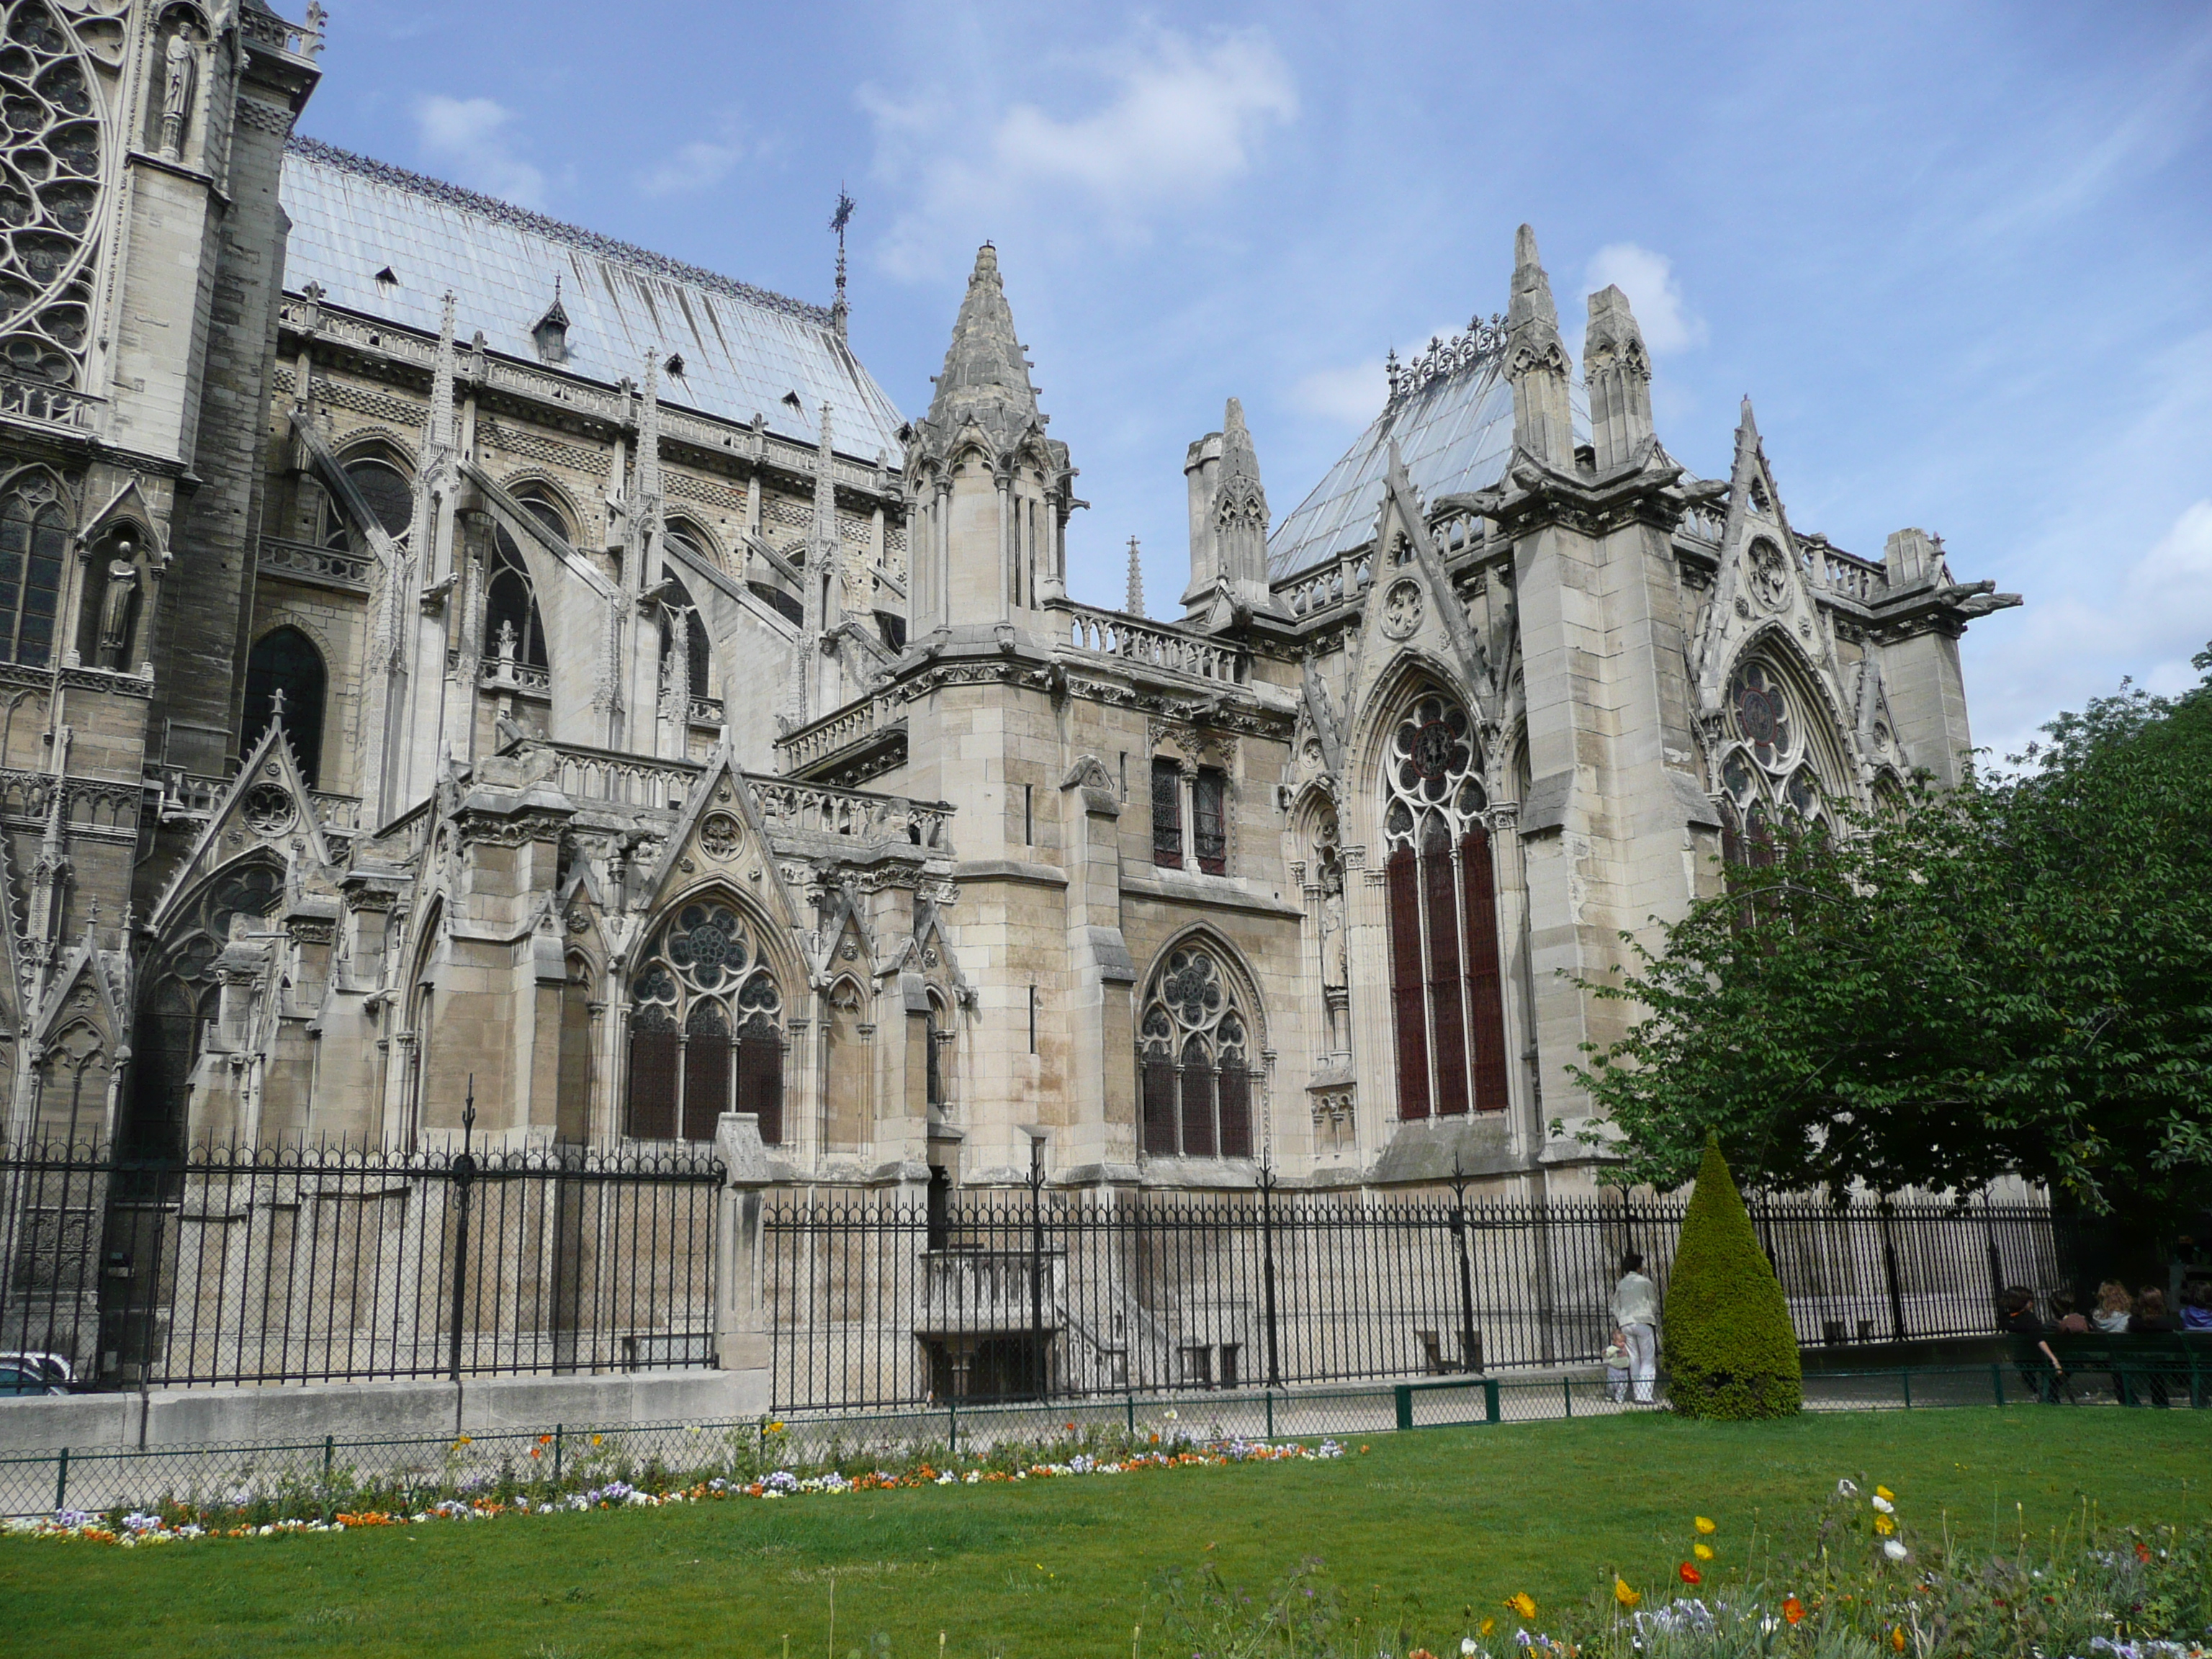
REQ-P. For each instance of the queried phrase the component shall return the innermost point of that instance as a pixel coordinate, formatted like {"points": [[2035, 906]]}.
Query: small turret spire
{"points": [[1133, 603], [1617, 372], [1536, 363], [839, 311]]}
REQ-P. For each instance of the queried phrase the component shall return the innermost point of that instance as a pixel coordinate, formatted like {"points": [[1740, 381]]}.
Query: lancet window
{"points": [[706, 1033], [34, 537], [511, 618], [1193, 1055], [1446, 992], [285, 661]]}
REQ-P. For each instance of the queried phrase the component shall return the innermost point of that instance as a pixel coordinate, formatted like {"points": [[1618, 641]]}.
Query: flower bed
{"points": [[607, 1476], [1854, 1584]]}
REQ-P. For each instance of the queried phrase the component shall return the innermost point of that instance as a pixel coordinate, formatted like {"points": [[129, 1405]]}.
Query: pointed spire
{"points": [[986, 377], [822, 542], [438, 433], [1536, 363], [1240, 514], [1133, 602], [1617, 372], [645, 517], [839, 312]]}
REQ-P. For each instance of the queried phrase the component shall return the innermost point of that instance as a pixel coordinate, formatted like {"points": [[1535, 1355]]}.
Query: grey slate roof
{"points": [[742, 347]]}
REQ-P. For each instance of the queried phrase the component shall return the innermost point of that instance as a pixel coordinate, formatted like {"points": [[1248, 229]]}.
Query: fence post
{"points": [[1889, 1268], [463, 1172], [744, 1334], [1996, 1383], [1906, 1378], [1267, 1259], [560, 1437], [330, 1455], [61, 1482], [1490, 1413], [951, 1427], [1567, 1393], [1467, 1362], [1271, 1411], [1402, 1394], [1129, 1405]]}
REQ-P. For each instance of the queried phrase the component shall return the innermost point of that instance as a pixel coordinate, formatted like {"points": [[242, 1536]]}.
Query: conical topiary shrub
{"points": [[1730, 1350]]}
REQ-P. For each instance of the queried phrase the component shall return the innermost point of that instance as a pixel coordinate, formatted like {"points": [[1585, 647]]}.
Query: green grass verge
{"points": [[1065, 1567]]}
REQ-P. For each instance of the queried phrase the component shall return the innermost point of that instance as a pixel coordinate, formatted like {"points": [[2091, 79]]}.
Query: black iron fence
{"points": [[1015, 1295], [334, 1263]]}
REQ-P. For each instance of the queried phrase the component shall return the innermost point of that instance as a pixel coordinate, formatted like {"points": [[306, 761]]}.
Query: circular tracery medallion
{"points": [[1762, 714], [720, 835], [1401, 608]]}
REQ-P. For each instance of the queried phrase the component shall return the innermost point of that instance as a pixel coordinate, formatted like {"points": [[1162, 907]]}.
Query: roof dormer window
{"points": [[387, 280], [674, 366], [550, 331]]}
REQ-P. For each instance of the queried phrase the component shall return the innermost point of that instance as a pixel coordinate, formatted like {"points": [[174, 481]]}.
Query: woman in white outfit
{"points": [[1636, 1311]]}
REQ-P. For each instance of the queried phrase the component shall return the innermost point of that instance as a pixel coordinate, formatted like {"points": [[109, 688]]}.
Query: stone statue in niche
{"points": [[1334, 968], [181, 61], [115, 608]]}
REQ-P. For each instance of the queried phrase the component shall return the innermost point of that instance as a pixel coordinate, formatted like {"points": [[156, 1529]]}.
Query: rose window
{"points": [[706, 1030], [49, 197], [1762, 714], [1430, 774]]}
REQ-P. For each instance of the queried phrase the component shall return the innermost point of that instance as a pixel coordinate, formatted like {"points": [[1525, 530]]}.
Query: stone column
{"points": [[741, 1334]]}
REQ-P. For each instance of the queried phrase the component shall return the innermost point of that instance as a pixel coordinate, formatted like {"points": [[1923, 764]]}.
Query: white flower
{"points": [[1467, 1646], [1846, 1489], [1885, 1505], [1893, 1548]]}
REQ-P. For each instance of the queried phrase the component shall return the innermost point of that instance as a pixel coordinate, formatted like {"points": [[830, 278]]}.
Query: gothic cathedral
{"points": [[450, 660]]}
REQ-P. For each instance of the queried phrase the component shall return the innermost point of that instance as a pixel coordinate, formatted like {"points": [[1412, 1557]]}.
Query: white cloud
{"points": [[1648, 280], [698, 165], [468, 137], [1180, 120], [1353, 395]]}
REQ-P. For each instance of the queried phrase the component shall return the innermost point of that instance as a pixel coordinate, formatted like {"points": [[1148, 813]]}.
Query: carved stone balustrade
{"points": [[812, 809], [1329, 585], [320, 567], [1109, 632], [54, 405], [859, 741]]}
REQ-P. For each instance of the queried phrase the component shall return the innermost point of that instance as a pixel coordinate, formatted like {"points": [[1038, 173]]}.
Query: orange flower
{"points": [[1793, 1610], [1523, 1603], [1897, 1638], [1420, 1653], [1689, 1575], [1622, 1594], [537, 1451]]}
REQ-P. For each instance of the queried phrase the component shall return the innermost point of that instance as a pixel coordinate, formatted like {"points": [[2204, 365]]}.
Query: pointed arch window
{"points": [[385, 490], [1192, 1049], [1446, 991], [34, 537], [698, 655], [285, 660], [705, 1029], [182, 996], [511, 606]]}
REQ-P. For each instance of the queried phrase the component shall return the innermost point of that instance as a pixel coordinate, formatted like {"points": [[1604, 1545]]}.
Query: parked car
{"points": [[52, 1366], [22, 1379]]}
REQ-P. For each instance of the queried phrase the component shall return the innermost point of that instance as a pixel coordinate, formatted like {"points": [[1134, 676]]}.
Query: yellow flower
{"points": [[1523, 1603], [1490, 1624], [1897, 1638], [597, 1438], [1703, 1525], [1884, 1491], [1703, 1552], [1884, 1525], [1625, 1596]]}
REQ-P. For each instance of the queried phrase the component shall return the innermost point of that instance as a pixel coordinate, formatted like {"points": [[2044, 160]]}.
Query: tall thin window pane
{"points": [[1167, 815], [1210, 820]]}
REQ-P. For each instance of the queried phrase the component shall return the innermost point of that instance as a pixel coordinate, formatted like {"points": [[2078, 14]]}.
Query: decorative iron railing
{"points": [[235, 1265]]}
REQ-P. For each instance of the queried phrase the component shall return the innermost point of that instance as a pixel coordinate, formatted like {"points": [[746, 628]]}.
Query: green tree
{"points": [[1731, 1351], [2013, 976]]}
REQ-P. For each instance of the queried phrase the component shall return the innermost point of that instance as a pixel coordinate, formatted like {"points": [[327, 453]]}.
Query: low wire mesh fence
{"points": [[338, 1263], [567, 1465]]}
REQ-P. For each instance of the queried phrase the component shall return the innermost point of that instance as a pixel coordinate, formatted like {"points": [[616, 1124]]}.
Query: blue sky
{"points": [[1959, 255]]}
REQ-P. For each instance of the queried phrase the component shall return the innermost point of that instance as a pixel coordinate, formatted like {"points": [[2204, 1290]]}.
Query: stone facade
{"points": [[453, 659]]}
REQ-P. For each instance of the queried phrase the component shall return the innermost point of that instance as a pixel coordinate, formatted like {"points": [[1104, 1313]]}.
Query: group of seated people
{"points": [[2117, 1313]]}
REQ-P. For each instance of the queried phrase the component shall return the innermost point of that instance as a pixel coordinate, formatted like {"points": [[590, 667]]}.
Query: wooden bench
{"points": [[2146, 1370]]}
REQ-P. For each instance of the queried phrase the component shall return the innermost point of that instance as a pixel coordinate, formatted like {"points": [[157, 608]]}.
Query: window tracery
{"points": [[1766, 774], [50, 169], [385, 490], [511, 615], [1447, 994], [705, 1029], [1193, 1048], [285, 679]]}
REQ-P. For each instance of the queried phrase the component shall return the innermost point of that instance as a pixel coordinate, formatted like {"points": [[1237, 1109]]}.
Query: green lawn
{"points": [[1064, 1567]]}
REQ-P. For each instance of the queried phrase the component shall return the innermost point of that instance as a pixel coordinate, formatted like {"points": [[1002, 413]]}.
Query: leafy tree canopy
{"points": [[2012, 976]]}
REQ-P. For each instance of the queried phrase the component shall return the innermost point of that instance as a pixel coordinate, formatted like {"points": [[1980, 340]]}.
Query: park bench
{"points": [[2146, 1370]]}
